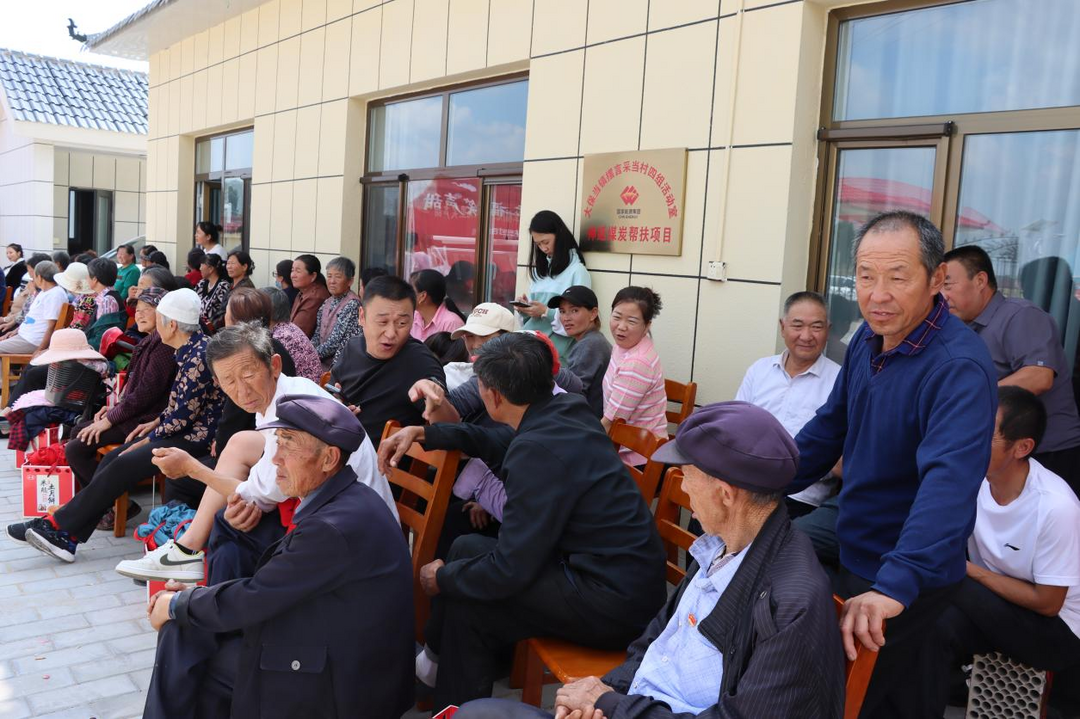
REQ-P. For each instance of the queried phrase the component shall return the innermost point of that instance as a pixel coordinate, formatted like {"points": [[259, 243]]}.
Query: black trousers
{"points": [[1065, 463], [30, 379], [457, 524], [978, 621], [898, 688], [194, 674], [117, 473], [232, 554], [473, 639], [82, 457]]}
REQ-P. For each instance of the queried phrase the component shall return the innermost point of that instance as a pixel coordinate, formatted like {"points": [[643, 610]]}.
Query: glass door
{"points": [[866, 179], [503, 225]]}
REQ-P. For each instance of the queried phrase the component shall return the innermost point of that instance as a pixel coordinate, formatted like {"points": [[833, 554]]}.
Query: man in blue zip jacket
{"points": [[912, 413]]}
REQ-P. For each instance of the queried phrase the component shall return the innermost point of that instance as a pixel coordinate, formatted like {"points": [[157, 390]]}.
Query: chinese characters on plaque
{"points": [[633, 202]]}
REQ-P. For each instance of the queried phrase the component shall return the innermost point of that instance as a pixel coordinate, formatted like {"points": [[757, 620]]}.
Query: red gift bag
{"points": [[45, 488], [116, 387], [49, 437], [446, 713]]}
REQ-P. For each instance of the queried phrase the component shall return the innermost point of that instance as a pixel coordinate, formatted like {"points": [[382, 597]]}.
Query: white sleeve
{"points": [[1057, 554]]}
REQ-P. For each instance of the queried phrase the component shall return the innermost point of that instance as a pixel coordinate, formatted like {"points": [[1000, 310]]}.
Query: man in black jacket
{"points": [[578, 555], [325, 627], [751, 631]]}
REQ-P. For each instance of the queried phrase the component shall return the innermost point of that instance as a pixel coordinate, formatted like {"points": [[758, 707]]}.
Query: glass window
{"points": [[217, 154], [238, 150], [487, 125], [869, 181], [442, 227], [1018, 196], [202, 157], [503, 228], [967, 57], [405, 135], [381, 227]]}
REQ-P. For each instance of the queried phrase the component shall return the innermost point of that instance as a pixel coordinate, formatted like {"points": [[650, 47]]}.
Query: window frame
{"points": [[953, 128], [489, 174]]}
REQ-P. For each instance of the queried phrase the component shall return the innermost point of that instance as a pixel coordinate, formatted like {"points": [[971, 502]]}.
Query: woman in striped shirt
{"points": [[634, 381]]}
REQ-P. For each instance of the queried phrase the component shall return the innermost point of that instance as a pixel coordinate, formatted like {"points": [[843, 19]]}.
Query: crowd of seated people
{"points": [[929, 481]]}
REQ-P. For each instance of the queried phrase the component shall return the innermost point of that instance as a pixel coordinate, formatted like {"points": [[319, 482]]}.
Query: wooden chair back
{"points": [[424, 479], [8, 294], [682, 396], [63, 320], [673, 499], [644, 443], [857, 673]]}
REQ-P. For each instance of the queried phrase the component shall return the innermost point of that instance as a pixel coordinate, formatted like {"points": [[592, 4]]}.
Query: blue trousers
{"points": [[232, 554], [194, 674]]}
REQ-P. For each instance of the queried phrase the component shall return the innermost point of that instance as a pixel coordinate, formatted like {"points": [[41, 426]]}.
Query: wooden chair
{"points": [[422, 508], [63, 320], [682, 395], [8, 294], [857, 673], [567, 661], [643, 442], [120, 506]]}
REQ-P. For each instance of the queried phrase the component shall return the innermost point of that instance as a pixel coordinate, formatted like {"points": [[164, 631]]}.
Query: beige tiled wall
{"points": [[607, 75]]}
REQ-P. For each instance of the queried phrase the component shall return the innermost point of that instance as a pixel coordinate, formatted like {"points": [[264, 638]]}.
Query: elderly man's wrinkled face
{"points": [[248, 382], [964, 292], [707, 499], [303, 462], [894, 289]]}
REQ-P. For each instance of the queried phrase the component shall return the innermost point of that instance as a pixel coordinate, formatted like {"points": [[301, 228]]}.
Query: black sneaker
{"points": [[54, 542], [17, 531]]}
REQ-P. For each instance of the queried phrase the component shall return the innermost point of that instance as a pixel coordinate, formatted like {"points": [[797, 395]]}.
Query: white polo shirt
{"points": [[793, 401], [1035, 537], [261, 485]]}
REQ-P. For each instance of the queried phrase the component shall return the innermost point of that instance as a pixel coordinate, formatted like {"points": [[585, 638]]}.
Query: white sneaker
{"points": [[165, 562]]}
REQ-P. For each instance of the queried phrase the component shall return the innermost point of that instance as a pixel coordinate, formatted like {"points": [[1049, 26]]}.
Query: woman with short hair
{"points": [[339, 316], [634, 381], [33, 333], [283, 280], [296, 343]]}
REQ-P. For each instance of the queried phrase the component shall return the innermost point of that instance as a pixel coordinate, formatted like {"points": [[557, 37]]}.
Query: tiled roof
{"points": [[77, 94]]}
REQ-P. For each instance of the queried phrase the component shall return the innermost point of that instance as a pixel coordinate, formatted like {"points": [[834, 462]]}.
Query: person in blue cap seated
{"points": [[325, 626], [751, 631]]}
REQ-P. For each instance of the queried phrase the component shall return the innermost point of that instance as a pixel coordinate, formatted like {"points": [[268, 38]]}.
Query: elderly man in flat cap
{"points": [[325, 626], [751, 631]]}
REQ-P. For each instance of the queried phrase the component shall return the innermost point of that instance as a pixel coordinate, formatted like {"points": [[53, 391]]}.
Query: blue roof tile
{"points": [[64, 92]]}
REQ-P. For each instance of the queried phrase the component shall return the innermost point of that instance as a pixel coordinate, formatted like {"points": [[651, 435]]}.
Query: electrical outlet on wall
{"points": [[717, 271]]}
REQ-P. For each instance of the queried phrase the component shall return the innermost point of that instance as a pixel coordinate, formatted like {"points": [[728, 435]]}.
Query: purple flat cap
{"points": [[324, 418], [737, 442]]}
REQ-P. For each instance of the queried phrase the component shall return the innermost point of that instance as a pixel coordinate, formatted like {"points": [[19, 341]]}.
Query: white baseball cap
{"points": [[487, 318], [181, 306]]}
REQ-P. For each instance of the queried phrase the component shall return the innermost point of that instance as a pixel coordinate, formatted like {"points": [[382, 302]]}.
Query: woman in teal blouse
{"points": [[556, 263]]}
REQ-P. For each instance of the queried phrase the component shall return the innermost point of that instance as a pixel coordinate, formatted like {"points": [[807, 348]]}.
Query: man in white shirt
{"points": [[33, 334], [246, 511], [1021, 596], [793, 384]]}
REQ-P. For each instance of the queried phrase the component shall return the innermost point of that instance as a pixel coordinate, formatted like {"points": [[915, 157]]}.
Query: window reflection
{"points": [[980, 56], [504, 226], [487, 125], [405, 135], [442, 226], [381, 227], [1018, 201], [870, 181]]}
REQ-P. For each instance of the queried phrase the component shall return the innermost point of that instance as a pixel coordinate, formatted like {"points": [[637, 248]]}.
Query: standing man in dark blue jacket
{"points": [[912, 413], [578, 555], [325, 627]]}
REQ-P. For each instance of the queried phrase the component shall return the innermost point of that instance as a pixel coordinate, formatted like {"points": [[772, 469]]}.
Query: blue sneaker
{"points": [[54, 542]]}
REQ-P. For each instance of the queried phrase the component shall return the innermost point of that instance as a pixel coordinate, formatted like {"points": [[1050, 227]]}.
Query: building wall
{"points": [[124, 176], [738, 82], [34, 180]]}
